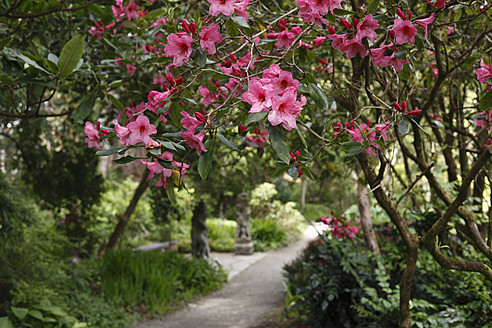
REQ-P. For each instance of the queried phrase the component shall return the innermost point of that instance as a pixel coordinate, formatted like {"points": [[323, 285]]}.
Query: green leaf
{"points": [[485, 101], [302, 138], [36, 314], [5, 42], [240, 21], [205, 160], [170, 192], [200, 57], [353, 148], [277, 139], [403, 127], [255, 117], [116, 102], [31, 62], [155, 179], [373, 6], [6, 80], [318, 96], [166, 164], [109, 151], [277, 171], [20, 313], [126, 159], [343, 12], [70, 55], [421, 128], [227, 142], [84, 108], [6, 323]]}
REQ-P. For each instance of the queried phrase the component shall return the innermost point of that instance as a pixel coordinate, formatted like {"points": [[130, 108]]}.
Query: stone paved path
{"points": [[255, 289]]}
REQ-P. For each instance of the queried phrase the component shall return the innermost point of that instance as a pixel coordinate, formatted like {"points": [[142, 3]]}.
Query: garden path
{"points": [[255, 288]]}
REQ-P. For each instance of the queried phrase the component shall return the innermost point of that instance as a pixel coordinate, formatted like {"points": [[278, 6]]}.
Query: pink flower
{"points": [[259, 95], [208, 97], [123, 132], [351, 232], [140, 131], [225, 7], [354, 47], [378, 53], [284, 81], [231, 85], [93, 139], [240, 8], [130, 69], [285, 39], [319, 40], [194, 140], [425, 22], [397, 63], [209, 37], [285, 109], [338, 40], [190, 123], [158, 99], [437, 3], [367, 27], [179, 47], [484, 73], [404, 31], [131, 11], [272, 72]]}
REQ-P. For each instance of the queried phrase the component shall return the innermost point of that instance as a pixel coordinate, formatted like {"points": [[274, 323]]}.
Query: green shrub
{"points": [[268, 234], [156, 282], [222, 235], [338, 283]]}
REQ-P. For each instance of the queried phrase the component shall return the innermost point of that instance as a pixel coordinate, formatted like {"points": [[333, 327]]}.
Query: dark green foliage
{"points": [[341, 284], [157, 282], [268, 234]]}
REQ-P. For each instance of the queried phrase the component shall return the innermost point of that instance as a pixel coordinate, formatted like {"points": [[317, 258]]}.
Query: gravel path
{"points": [[255, 289]]}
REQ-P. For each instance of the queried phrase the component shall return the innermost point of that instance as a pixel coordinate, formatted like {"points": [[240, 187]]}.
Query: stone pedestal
{"points": [[244, 244]]}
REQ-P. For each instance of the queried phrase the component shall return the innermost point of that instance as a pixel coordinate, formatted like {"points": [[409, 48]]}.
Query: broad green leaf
{"points": [[255, 117], [318, 96], [277, 171], [7, 80], [485, 101], [277, 139], [6, 323], [36, 314], [116, 102], [205, 160], [352, 148], [309, 173], [200, 57], [155, 179], [109, 151], [403, 127], [70, 55], [343, 12], [126, 159], [20, 313], [84, 108], [5, 42], [240, 21], [373, 6], [170, 192], [166, 164], [421, 128], [227, 142], [31, 62], [302, 138]]}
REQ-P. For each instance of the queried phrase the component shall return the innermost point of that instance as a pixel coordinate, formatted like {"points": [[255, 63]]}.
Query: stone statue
{"points": [[199, 232], [244, 245]]}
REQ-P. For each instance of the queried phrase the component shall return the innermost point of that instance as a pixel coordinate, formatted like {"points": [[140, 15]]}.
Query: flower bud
{"points": [[409, 15], [345, 23], [170, 79], [356, 21], [192, 28], [282, 24], [185, 26], [296, 30], [400, 13], [199, 116], [415, 112], [179, 80], [331, 29]]}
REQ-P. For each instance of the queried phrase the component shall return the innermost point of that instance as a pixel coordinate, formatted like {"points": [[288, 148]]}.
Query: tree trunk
{"points": [[123, 220], [365, 218]]}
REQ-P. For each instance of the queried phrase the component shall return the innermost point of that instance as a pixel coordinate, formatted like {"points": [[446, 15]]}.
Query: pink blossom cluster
{"points": [[190, 123], [339, 228], [99, 29], [276, 93], [236, 67], [363, 132], [131, 10], [94, 134], [228, 7], [259, 137], [285, 38], [156, 168], [484, 75], [312, 11]]}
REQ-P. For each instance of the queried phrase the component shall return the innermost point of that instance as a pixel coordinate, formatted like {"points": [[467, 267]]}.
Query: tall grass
{"points": [[155, 282]]}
